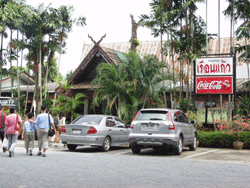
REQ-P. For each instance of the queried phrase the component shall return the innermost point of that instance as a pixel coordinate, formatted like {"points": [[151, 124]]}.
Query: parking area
{"points": [[211, 154], [226, 155]]}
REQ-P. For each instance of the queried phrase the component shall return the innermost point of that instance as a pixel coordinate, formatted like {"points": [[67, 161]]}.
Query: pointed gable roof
{"points": [[86, 71]]}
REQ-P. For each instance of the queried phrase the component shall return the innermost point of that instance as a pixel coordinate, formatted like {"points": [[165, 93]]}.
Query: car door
{"points": [[112, 130], [124, 132], [180, 124], [189, 128], [187, 125]]}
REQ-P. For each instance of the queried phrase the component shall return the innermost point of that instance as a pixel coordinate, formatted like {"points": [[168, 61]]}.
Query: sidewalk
{"points": [[20, 143]]}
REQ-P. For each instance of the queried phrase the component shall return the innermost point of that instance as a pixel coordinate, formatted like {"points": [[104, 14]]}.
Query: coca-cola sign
{"points": [[214, 85], [214, 66]]}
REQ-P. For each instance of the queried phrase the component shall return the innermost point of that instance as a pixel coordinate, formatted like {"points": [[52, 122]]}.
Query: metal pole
{"points": [[219, 25], [234, 83], [206, 29]]}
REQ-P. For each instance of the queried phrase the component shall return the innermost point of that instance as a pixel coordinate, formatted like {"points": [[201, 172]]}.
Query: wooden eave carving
{"points": [[96, 49]]}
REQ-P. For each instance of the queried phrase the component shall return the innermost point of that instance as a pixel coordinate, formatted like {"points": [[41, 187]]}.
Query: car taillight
{"points": [[171, 123], [132, 126], [92, 130], [63, 129]]}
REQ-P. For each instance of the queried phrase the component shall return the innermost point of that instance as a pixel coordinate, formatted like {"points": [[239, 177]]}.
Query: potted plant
{"points": [[237, 127]]}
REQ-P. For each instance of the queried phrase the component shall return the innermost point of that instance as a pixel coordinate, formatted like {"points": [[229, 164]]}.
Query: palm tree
{"points": [[135, 83], [64, 23], [159, 21], [69, 104]]}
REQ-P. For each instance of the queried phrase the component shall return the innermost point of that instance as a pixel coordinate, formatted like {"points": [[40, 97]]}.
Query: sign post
{"points": [[215, 75], [7, 101]]}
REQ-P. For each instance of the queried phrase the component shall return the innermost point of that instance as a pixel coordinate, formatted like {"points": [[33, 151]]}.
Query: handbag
{"points": [[51, 131], [2, 129], [5, 142], [16, 127]]}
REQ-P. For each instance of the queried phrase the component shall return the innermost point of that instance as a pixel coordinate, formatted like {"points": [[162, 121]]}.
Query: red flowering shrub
{"points": [[234, 126]]}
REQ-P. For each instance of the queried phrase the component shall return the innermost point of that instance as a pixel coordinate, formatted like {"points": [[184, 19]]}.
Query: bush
{"points": [[222, 139], [193, 116], [244, 106], [234, 126]]}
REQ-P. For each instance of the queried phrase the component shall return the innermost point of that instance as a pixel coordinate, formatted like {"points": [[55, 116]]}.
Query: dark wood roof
{"points": [[86, 71]]}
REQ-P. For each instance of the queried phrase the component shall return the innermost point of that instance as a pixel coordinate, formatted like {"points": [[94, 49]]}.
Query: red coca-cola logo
{"points": [[209, 85]]}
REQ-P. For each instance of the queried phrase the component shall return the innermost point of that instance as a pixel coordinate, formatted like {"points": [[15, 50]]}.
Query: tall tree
{"points": [[133, 84]]}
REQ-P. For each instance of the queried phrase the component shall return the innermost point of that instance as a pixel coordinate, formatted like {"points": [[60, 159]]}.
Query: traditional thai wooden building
{"points": [[96, 53]]}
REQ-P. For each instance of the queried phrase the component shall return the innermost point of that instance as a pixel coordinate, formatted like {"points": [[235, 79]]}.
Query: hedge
{"points": [[222, 139]]}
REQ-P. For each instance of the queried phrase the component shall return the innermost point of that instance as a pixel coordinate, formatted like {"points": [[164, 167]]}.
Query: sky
{"points": [[112, 17]]}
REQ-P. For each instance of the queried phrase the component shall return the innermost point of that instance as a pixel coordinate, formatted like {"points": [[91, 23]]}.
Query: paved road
{"points": [[88, 167]]}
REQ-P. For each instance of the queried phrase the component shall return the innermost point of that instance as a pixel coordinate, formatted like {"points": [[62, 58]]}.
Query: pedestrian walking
{"points": [[61, 122], [2, 127], [28, 134], [50, 137], [12, 129], [42, 122]]}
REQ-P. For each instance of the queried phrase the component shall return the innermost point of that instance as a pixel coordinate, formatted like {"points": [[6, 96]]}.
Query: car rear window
{"points": [[152, 115], [88, 120]]}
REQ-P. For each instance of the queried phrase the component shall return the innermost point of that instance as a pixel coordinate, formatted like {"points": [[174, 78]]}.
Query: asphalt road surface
{"points": [[88, 167]]}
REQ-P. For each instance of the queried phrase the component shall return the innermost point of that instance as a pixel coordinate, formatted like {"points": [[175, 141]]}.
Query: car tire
{"points": [[178, 149], [71, 147], [136, 149], [106, 144], [194, 144]]}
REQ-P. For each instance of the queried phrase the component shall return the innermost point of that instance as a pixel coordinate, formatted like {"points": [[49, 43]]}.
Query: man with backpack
{"points": [[2, 126]]}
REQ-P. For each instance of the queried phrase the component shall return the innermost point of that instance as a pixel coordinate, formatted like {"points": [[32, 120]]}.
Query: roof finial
{"points": [[97, 43]]}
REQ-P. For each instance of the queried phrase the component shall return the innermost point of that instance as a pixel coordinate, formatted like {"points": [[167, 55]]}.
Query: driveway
{"points": [[210, 154]]}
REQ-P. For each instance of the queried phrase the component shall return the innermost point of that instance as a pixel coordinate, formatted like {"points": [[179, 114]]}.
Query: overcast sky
{"points": [[113, 18]]}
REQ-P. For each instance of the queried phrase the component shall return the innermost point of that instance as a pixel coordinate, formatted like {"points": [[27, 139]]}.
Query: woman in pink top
{"points": [[61, 122], [10, 129]]}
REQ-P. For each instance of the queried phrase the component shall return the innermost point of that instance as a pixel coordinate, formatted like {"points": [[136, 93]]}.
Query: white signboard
{"points": [[214, 66], [6, 101]]}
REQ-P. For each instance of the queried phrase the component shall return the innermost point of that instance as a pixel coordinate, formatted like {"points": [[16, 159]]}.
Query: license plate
{"points": [[76, 131]]}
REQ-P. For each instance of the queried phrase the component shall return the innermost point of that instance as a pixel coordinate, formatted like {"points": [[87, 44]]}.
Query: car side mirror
{"points": [[127, 126], [193, 122]]}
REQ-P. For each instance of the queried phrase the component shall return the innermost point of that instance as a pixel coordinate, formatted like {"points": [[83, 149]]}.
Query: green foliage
{"points": [[234, 126], [184, 105], [222, 139], [193, 116], [48, 102], [129, 86], [244, 106], [69, 104]]}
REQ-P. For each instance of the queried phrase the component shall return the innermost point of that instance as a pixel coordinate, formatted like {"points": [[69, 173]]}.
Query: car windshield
{"points": [[84, 120], [152, 115]]}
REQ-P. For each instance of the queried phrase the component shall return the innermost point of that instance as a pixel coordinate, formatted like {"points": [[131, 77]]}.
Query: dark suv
{"points": [[160, 127]]}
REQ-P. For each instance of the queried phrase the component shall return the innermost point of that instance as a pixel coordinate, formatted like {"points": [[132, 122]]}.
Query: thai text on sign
{"points": [[214, 66], [214, 85]]}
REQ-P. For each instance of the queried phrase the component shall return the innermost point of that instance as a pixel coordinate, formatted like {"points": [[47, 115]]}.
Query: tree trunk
{"points": [[11, 69], [17, 73], [27, 94], [173, 61], [228, 107], [221, 107], [1, 63]]}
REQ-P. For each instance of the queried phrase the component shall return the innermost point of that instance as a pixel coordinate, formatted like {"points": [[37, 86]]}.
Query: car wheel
{"points": [[178, 149], [106, 144], [136, 149], [71, 147], [194, 144]]}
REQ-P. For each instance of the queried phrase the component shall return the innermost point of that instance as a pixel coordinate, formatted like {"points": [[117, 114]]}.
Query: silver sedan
{"points": [[102, 131]]}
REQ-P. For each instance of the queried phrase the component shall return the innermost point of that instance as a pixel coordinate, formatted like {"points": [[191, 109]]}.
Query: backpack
{"points": [[56, 122]]}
